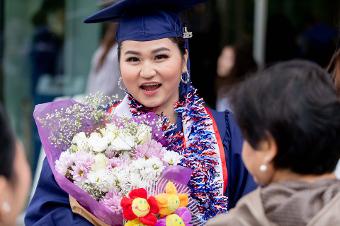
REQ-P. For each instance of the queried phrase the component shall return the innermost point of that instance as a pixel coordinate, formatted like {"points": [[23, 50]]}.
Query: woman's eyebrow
{"points": [[160, 50], [132, 52]]}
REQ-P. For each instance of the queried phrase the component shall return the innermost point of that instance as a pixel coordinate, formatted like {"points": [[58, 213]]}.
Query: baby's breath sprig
{"points": [[86, 116], [94, 190]]}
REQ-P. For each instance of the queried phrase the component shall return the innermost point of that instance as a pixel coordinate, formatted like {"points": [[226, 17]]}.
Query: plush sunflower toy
{"points": [[139, 209], [170, 201]]}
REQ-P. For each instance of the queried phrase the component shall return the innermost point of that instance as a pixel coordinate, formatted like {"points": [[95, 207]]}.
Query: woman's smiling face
{"points": [[151, 71]]}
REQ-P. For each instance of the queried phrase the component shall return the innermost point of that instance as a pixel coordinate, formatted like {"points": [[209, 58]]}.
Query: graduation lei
{"points": [[201, 146]]}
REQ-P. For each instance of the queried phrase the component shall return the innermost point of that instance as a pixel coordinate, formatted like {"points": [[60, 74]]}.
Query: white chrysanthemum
{"points": [[123, 142], [98, 143], [172, 158], [148, 170], [156, 165], [100, 162], [110, 132], [121, 177], [143, 134], [138, 164], [137, 181], [81, 141], [64, 162], [102, 178]]}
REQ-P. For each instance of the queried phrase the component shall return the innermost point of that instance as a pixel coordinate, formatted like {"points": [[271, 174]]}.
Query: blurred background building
{"points": [[46, 50]]}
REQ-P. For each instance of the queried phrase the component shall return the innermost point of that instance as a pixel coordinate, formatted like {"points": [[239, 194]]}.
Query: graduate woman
{"points": [[153, 59]]}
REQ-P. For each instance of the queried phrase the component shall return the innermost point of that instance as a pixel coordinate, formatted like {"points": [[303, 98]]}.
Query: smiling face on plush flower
{"points": [[170, 201], [139, 207], [173, 202]]}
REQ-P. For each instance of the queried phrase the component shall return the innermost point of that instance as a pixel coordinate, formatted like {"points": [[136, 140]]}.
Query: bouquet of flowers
{"points": [[116, 169]]}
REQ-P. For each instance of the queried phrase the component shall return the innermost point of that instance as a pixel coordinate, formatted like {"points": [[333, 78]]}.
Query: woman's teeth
{"points": [[150, 87]]}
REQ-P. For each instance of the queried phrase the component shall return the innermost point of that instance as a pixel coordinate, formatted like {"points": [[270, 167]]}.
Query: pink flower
{"points": [[120, 161], [84, 158], [149, 149], [79, 173], [82, 165], [110, 153], [112, 200], [65, 161]]}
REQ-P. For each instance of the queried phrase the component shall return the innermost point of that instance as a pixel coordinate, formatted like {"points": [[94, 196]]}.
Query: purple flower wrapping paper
{"points": [[178, 174]]}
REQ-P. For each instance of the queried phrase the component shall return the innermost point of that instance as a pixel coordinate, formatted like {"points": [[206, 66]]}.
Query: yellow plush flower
{"points": [[174, 220], [135, 222], [170, 201]]}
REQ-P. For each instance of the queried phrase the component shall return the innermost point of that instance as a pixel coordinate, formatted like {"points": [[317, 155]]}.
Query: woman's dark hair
{"points": [[180, 42], [7, 147], [295, 102]]}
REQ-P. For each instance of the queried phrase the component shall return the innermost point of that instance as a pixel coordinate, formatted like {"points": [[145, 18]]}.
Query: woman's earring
{"points": [[6, 207], [185, 77], [120, 84], [263, 168]]}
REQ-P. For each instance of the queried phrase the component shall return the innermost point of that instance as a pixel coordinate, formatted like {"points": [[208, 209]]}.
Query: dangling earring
{"points": [[185, 78], [263, 168], [6, 207], [120, 85]]}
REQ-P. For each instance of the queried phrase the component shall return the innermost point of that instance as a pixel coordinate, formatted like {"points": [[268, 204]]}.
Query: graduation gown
{"points": [[50, 204]]}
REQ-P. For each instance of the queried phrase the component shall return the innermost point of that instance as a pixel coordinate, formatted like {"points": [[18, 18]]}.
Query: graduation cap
{"points": [[144, 20]]}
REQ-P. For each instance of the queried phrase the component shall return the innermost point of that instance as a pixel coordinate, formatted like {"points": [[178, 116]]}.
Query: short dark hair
{"points": [[296, 103], [180, 42], [7, 147]]}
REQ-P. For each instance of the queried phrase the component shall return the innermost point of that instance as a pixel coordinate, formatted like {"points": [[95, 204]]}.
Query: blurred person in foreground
{"points": [[234, 65], [290, 118], [15, 175]]}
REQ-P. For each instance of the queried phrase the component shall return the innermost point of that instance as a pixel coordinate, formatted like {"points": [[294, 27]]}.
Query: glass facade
{"points": [[43, 56]]}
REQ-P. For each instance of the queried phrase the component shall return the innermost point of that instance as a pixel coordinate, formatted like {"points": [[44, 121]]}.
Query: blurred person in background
{"points": [[317, 41], [234, 65], [205, 27], [46, 58], [280, 39], [104, 73], [46, 52], [290, 118], [15, 177]]}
